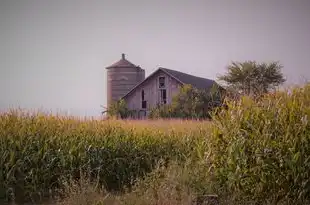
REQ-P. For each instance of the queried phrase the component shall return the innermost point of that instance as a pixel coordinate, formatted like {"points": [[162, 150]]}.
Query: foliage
{"points": [[119, 109], [256, 152], [176, 184], [261, 148], [81, 192], [173, 185], [252, 78], [38, 152], [190, 103]]}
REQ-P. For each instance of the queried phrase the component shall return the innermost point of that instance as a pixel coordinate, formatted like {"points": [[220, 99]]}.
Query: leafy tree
{"points": [[118, 109], [190, 102], [252, 78]]}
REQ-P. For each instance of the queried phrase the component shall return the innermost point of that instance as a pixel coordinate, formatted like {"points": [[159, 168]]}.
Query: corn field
{"points": [[261, 148], [38, 151], [255, 152]]}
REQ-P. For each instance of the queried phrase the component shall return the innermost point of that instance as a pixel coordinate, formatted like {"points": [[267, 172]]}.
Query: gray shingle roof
{"points": [[198, 82]]}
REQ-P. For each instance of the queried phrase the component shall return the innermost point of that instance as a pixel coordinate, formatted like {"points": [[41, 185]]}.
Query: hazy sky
{"points": [[53, 53]]}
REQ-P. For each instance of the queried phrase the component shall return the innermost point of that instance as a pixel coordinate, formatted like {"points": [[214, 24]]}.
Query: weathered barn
{"points": [[126, 81]]}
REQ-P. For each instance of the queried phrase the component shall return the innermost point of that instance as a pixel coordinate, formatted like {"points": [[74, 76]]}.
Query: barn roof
{"points": [[183, 78]]}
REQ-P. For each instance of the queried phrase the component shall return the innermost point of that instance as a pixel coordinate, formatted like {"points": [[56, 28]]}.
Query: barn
{"points": [[127, 81]]}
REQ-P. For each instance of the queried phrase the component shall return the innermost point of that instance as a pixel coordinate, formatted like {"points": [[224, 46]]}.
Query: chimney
{"points": [[123, 56]]}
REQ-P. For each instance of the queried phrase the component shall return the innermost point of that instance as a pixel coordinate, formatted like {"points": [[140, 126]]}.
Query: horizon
{"points": [[53, 54]]}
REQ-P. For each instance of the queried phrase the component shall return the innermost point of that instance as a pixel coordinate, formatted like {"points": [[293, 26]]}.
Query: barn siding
{"points": [[151, 92]]}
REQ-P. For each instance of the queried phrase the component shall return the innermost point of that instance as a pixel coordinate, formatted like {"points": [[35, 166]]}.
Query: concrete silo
{"points": [[122, 76]]}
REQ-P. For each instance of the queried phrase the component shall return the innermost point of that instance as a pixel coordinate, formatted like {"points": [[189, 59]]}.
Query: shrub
{"points": [[191, 103], [119, 109]]}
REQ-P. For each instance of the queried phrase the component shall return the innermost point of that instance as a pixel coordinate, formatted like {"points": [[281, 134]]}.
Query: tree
{"points": [[190, 102], [118, 109], [252, 78]]}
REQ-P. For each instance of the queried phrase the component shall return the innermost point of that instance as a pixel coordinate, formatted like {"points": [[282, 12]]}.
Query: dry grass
{"points": [[164, 186]]}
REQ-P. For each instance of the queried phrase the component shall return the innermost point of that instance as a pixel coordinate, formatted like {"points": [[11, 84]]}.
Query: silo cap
{"points": [[122, 63]]}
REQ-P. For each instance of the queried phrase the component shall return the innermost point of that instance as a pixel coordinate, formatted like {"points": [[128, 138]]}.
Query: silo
{"points": [[122, 76]]}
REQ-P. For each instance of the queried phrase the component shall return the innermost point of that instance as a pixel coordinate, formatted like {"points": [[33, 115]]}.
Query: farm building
{"points": [[127, 81]]}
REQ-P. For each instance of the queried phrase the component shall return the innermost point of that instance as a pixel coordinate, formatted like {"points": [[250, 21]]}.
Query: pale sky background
{"points": [[53, 53]]}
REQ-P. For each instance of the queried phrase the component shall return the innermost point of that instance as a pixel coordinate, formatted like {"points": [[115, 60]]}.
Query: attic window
{"points": [[161, 81]]}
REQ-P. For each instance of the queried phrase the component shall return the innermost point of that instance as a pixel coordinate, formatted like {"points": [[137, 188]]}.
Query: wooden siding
{"points": [[151, 92], [121, 80]]}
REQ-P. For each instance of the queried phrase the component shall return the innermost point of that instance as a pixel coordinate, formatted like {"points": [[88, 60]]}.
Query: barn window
{"points": [[163, 96], [143, 100], [142, 95], [161, 81]]}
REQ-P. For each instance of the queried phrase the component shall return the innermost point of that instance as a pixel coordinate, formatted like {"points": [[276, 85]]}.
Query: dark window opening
{"points": [[144, 104], [161, 82], [163, 96], [143, 100]]}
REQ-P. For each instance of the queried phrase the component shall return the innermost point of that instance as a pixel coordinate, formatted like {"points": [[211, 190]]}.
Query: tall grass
{"points": [[261, 149], [173, 185], [39, 151], [256, 152]]}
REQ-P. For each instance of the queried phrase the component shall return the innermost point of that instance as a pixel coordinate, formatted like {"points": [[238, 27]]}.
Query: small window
{"points": [[143, 100], [161, 82], [142, 95], [163, 96], [144, 104]]}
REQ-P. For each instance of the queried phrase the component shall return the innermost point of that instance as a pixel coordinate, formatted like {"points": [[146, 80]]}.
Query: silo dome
{"points": [[122, 76]]}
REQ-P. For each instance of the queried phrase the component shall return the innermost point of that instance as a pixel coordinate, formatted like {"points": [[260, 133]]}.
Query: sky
{"points": [[53, 54]]}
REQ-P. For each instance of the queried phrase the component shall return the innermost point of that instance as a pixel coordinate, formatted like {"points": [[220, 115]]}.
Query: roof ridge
{"points": [[167, 69]]}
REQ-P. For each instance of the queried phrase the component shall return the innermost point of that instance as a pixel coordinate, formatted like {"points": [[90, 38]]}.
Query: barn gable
{"points": [[159, 88]]}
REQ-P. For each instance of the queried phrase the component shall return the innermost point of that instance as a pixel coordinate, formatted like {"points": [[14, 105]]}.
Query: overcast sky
{"points": [[53, 53]]}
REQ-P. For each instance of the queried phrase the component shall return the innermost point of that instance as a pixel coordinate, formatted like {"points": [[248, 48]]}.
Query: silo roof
{"points": [[123, 62]]}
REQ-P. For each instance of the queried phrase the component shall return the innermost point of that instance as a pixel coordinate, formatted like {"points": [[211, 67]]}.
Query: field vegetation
{"points": [[39, 151], [255, 152]]}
